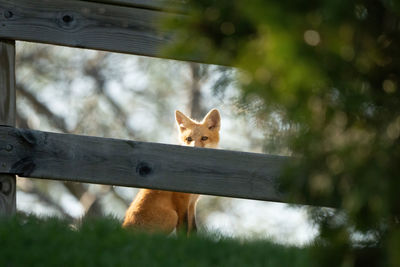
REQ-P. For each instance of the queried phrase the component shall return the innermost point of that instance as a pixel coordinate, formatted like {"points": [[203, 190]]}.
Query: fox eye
{"points": [[189, 139], [204, 138]]}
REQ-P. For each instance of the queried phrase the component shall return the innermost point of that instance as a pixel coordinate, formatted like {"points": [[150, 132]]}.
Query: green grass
{"points": [[30, 241]]}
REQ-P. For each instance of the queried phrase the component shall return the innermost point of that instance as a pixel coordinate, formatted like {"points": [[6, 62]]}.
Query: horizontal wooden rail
{"points": [[69, 157], [86, 24]]}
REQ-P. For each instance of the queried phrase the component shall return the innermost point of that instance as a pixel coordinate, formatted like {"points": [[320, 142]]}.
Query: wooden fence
{"points": [[128, 26]]}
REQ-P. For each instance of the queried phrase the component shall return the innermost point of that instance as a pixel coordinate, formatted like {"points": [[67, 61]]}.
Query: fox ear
{"points": [[182, 121], [212, 120]]}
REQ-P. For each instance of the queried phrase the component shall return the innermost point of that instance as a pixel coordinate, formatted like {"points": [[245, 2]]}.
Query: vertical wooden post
{"points": [[7, 117]]}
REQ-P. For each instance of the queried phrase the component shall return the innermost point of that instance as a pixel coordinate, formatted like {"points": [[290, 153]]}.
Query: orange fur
{"points": [[156, 210]]}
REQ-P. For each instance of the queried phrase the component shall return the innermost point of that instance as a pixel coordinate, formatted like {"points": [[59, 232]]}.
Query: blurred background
{"points": [[318, 80], [95, 93]]}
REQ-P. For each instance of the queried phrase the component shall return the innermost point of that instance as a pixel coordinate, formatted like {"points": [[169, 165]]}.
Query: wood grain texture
{"points": [[85, 25], [161, 5], [46, 155], [7, 195], [7, 82], [7, 117]]}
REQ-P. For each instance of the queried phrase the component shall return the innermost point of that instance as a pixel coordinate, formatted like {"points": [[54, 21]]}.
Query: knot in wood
{"points": [[5, 187], [8, 14], [67, 18], [144, 169]]}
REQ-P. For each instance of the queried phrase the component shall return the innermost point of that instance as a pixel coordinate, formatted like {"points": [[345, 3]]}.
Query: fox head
{"points": [[199, 134]]}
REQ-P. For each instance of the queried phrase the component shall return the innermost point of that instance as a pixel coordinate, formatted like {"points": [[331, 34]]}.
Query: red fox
{"points": [[165, 211]]}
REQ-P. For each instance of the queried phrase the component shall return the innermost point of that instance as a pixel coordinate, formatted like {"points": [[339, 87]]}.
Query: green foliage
{"points": [[331, 70], [52, 242]]}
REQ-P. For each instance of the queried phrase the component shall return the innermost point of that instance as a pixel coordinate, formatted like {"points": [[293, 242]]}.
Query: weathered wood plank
{"points": [[46, 155], [7, 117], [85, 25], [7, 83]]}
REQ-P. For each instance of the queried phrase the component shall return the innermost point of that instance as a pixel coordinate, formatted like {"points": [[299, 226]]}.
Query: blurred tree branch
{"points": [[195, 107], [29, 187], [57, 121], [93, 68]]}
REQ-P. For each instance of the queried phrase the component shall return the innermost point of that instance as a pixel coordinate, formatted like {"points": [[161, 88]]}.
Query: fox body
{"points": [[156, 210]]}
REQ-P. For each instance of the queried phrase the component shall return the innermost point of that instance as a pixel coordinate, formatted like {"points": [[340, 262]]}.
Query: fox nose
{"points": [[198, 144]]}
